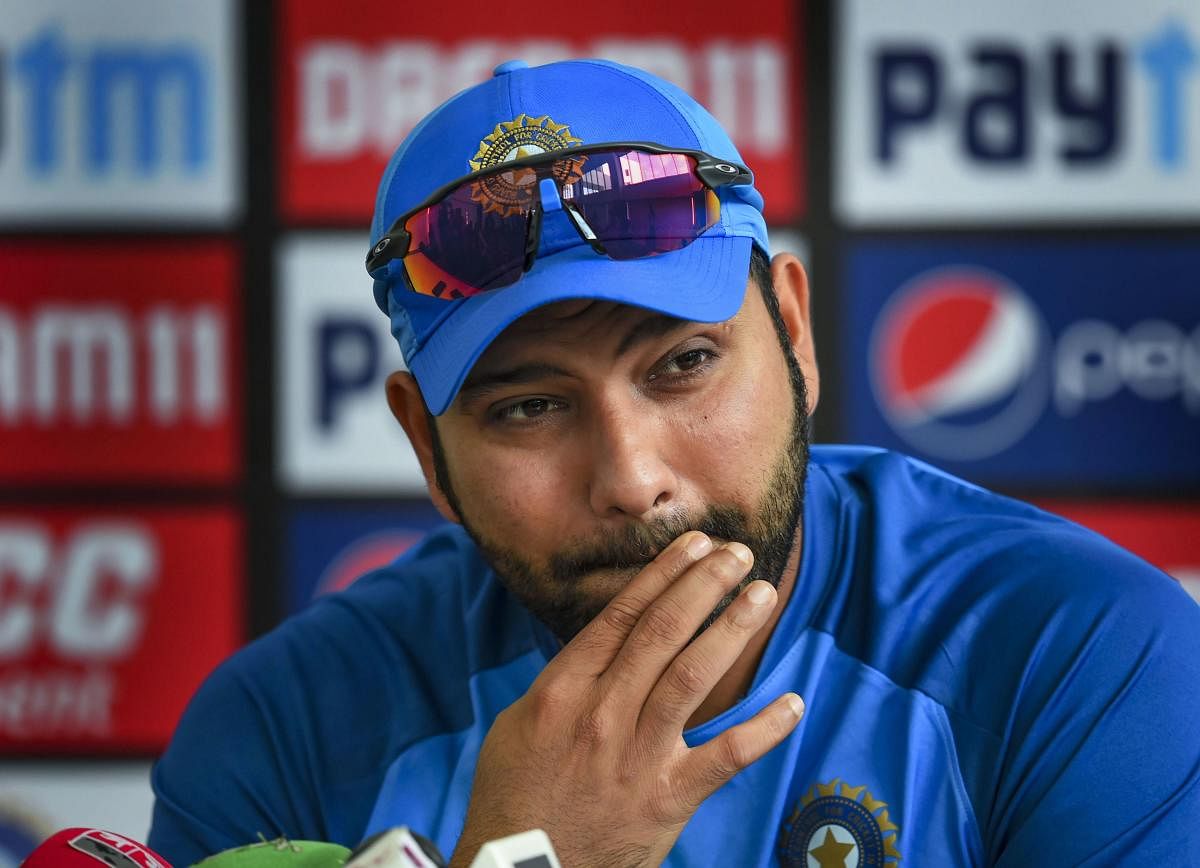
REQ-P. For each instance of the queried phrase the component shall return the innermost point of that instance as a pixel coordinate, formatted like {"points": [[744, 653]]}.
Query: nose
{"points": [[631, 475]]}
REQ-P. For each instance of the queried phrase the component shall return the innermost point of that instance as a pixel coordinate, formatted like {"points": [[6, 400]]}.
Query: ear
{"points": [[791, 288], [407, 405]]}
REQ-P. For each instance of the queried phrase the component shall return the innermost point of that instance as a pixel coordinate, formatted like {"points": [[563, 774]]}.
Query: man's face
{"points": [[591, 434]]}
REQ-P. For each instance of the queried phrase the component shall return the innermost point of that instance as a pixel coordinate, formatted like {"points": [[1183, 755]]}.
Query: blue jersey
{"points": [[985, 684]]}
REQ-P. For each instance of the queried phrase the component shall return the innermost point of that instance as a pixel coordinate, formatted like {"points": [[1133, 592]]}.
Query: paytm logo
{"points": [[148, 90], [1067, 99], [119, 110], [347, 364], [985, 111], [335, 353]]}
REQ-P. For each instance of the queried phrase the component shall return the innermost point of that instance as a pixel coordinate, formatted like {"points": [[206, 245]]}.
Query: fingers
{"points": [[693, 674], [712, 764], [670, 621], [592, 651]]}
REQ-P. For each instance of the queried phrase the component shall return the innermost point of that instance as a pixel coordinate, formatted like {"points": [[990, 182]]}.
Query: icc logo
{"points": [[960, 363]]}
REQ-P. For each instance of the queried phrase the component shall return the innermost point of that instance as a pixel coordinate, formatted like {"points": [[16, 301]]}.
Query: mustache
{"points": [[636, 545]]}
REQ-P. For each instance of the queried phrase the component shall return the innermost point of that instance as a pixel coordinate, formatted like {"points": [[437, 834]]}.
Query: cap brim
{"points": [[703, 282]]}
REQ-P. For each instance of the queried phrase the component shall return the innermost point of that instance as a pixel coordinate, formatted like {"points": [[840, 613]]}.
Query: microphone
{"points": [[81, 847], [398, 847], [527, 850], [279, 853]]}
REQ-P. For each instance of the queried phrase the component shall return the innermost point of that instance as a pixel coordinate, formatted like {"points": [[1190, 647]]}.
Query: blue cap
{"points": [[556, 106]]}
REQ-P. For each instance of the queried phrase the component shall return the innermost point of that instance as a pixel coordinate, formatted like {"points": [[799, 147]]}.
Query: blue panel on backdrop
{"points": [[1037, 365], [329, 547]]}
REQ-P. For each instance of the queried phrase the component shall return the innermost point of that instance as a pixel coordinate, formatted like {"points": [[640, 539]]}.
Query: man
{"points": [[646, 568]]}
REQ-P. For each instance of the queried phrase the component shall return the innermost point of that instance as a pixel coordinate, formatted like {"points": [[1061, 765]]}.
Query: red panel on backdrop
{"points": [[353, 85], [109, 621], [119, 362], [1165, 534]]}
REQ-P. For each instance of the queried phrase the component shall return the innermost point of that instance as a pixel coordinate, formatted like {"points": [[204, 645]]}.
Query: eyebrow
{"points": [[652, 327], [479, 385], [476, 386]]}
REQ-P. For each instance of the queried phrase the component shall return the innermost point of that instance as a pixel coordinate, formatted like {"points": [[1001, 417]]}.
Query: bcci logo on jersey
{"points": [[959, 363], [839, 826]]}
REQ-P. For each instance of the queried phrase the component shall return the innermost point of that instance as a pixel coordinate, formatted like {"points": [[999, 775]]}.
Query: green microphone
{"points": [[279, 853]]}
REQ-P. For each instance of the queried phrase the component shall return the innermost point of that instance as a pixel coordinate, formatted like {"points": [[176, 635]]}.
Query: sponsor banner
{"points": [[1167, 534], [335, 351], [1034, 366], [118, 362], [110, 621], [123, 110], [329, 548], [38, 799], [983, 111], [350, 90]]}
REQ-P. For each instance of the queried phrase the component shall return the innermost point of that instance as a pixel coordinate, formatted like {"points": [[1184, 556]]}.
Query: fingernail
{"points": [[796, 704], [699, 545], [740, 552], [758, 593]]}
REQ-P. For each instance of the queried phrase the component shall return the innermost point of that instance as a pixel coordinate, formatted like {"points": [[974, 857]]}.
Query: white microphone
{"points": [[398, 847], [526, 850]]}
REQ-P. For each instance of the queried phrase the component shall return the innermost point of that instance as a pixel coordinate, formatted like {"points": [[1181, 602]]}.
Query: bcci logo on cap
{"points": [[524, 136], [960, 363]]}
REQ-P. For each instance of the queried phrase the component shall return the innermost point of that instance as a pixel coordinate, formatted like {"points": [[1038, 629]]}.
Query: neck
{"points": [[737, 680]]}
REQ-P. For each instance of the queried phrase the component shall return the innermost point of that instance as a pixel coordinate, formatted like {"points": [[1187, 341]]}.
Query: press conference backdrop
{"points": [[998, 205]]}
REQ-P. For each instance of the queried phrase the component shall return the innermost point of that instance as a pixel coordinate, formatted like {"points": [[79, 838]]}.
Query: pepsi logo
{"points": [[959, 361], [363, 555]]}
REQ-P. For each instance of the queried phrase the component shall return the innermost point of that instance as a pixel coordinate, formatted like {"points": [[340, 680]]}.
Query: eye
{"points": [[687, 363], [528, 409], [691, 359]]}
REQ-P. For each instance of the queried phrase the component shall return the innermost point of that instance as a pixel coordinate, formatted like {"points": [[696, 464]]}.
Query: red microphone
{"points": [[92, 848]]}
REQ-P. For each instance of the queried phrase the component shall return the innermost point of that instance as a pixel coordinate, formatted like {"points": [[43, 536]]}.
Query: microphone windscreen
{"points": [[92, 848], [279, 853]]}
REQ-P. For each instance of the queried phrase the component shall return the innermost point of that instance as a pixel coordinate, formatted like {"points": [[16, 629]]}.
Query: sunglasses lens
{"points": [[637, 204], [471, 241], [641, 204]]}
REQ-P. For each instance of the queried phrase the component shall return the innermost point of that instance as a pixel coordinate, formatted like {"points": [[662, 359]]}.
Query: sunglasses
{"points": [[627, 200]]}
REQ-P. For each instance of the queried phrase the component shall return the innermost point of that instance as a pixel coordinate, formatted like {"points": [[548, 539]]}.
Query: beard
{"points": [[559, 594]]}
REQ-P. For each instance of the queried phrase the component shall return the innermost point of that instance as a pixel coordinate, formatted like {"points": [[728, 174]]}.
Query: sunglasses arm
{"points": [[533, 235], [585, 231], [391, 246]]}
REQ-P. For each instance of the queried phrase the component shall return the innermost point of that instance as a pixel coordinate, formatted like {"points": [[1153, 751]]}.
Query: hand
{"points": [[594, 753]]}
